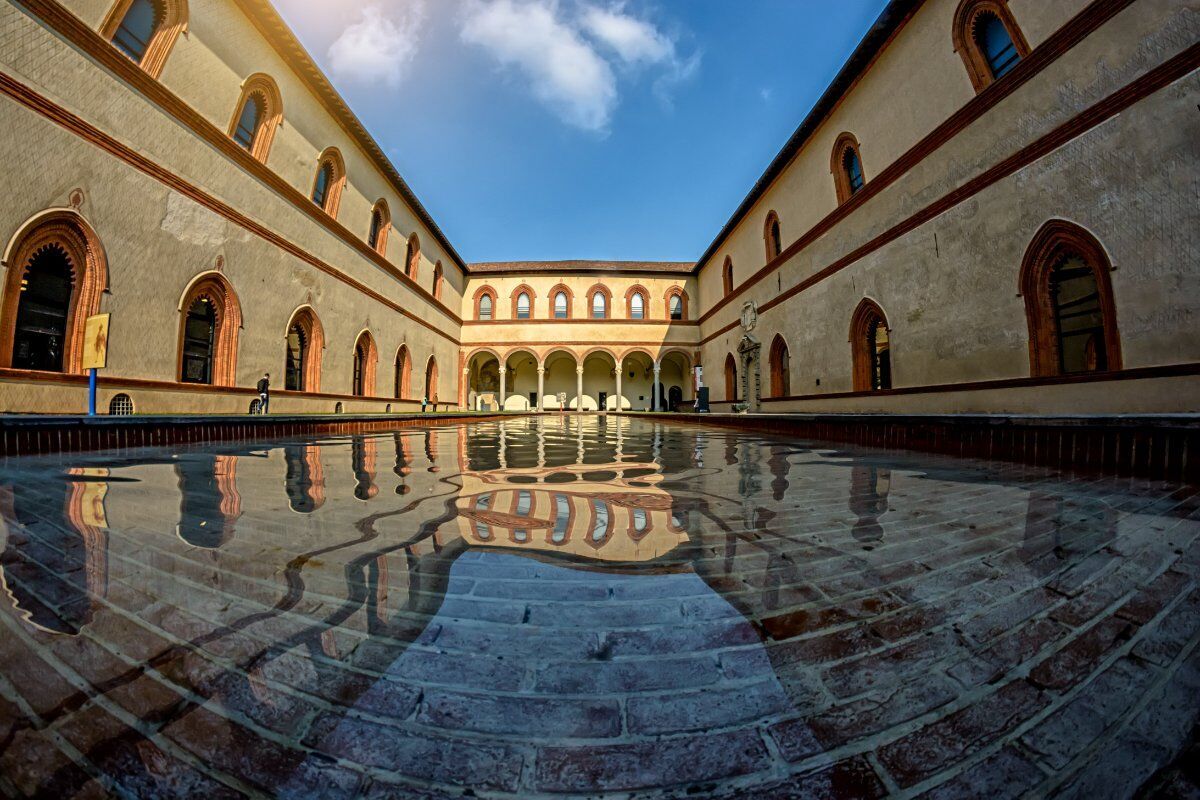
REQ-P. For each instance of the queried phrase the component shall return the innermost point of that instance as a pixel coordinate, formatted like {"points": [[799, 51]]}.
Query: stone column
{"points": [[654, 387], [541, 406], [503, 385], [618, 403], [464, 389], [579, 388]]}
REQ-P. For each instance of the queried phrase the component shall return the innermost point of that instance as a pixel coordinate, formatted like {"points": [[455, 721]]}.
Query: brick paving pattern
{"points": [[588, 607]]}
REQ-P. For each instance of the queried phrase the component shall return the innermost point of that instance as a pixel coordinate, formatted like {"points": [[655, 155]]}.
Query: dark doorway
{"points": [[41, 328], [674, 398], [199, 330], [603, 400]]}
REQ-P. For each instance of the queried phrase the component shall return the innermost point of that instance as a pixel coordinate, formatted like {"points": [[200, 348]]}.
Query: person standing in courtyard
{"points": [[264, 392]]}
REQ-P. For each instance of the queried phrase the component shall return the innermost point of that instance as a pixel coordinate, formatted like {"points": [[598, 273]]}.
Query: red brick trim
{"points": [[314, 351], [174, 21], [67, 230], [1144, 86], [837, 165], [365, 343], [561, 287], [864, 317], [527, 289], [217, 289], [480, 293], [591, 293], [385, 226], [1056, 239], [261, 86], [331, 158], [965, 44]]}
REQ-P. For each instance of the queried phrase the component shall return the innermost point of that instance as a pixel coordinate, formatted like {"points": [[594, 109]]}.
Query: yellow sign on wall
{"points": [[95, 342]]}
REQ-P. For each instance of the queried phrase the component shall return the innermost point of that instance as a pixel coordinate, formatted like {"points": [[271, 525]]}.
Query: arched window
{"points": [[412, 257], [431, 380], [257, 115], [1069, 303], [561, 299], [381, 224], [522, 302], [211, 318], [485, 303], [599, 300], [730, 378], [727, 276], [305, 346], [331, 177], [635, 302], [437, 281], [560, 305], [676, 304], [403, 373], [781, 368], [988, 39], [870, 342], [773, 236], [847, 167], [365, 358], [56, 276], [145, 30]]}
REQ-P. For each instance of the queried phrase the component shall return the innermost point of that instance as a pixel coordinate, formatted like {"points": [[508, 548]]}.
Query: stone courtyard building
{"points": [[992, 209]]}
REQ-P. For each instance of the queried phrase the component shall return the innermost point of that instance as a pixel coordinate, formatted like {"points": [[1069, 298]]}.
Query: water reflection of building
{"points": [[869, 490], [610, 512], [54, 573], [209, 503], [304, 478]]}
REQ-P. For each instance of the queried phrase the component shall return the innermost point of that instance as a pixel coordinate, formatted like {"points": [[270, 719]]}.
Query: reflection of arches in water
{"points": [[304, 479], [431, 445], [404, 459], [73, 558], [209, 503], [362, 456], [869, 490]]}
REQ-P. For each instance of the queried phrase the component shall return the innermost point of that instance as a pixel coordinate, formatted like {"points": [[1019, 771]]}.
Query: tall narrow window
{"points": [[1069, 303], [560, 305], [730, 378], [365, 356], [988, 39], [320, 193], [523, 305], [998, 48], [773, 236], [358, 387], [485, 307], [676, 304], [257, 116], [137, 27], [42, 312], [854, 170], [637, 306], [676, 307], [870, 340], [847, 167], [403, 373], [727, 276], [145, 30], [248, 120], [599, 304], [381, 223], [437, 281], [199, 335], [296, 346], [781, 368], [412, 257]]}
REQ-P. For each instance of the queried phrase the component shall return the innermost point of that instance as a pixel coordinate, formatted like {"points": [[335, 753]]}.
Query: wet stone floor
{"points": [[590, 607]]}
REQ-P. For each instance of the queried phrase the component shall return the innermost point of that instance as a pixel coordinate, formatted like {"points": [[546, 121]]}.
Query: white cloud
{"points": [[379, 47], [633, 40], [571, 58], [566, 72]]}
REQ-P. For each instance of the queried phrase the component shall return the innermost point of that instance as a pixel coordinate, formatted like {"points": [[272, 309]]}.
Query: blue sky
{"points": [[595, 129]]}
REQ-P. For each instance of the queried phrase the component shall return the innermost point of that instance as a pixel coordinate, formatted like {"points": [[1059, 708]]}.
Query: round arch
{"points": [[484, 291], [780, 360], [864, 344], [412, 257], [599, 288], [366, 360], [67, 231], [312, 335], [554, 292], [262, 89], [516, 293], [216, 288], [402, 383], [637, 289], [681, 293], [380, 227], [845, 143], [173, 21]]}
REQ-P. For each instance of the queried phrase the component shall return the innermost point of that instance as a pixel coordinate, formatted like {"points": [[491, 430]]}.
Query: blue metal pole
{"points": [[92, 392]]}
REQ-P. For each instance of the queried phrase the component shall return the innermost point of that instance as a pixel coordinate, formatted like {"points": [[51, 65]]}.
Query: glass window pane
{"points": [[599, 305], [523, 306], [485, 307], [637, 307], [998, 48], [247, 125], [136, 29], [560, 305], [1079, 321]]}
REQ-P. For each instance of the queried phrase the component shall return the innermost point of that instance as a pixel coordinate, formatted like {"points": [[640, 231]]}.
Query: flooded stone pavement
{"points": [[588, 607]]}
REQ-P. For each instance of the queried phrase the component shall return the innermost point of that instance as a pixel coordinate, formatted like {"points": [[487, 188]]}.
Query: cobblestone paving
{"points": [[580, 607]]}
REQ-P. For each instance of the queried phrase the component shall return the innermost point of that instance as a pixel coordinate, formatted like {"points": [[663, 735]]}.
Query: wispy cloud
{"points": [[380, 46], [573, 54]]}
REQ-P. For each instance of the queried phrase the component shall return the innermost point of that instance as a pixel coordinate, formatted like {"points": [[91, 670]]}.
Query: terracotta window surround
{"points": [[966, 42], [311, 329], [260, 88], [772, 236], [215, 287], [403, 363], [412, 257], [676, 291], [632, 292], [380, 227], [172, 21], [781, 368], [865, 318], [480, 293], [332, 161], [591, 296], [516, 294], [841, 178], [366, 357]]}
